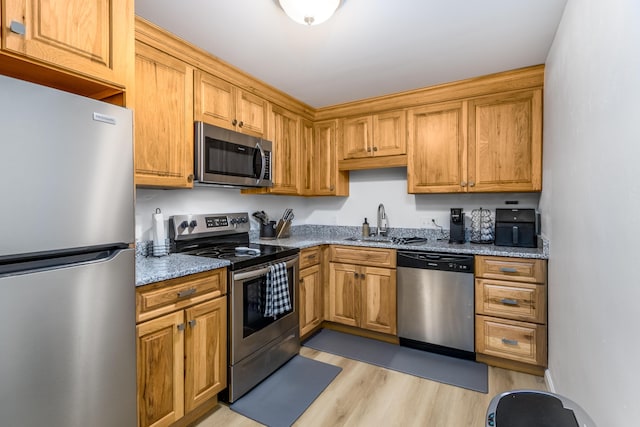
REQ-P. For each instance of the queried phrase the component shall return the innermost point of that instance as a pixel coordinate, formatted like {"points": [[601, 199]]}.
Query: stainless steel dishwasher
{"points": [[436, 302]]}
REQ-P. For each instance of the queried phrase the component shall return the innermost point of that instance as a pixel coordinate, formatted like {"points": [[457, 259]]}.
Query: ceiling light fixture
{"points": [[309, 12]]}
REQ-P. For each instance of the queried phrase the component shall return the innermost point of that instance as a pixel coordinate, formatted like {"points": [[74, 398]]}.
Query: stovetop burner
{"points": [[223, 236]]}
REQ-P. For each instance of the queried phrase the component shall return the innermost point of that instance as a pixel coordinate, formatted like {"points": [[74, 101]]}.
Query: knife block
{"points": [[283, 229]]}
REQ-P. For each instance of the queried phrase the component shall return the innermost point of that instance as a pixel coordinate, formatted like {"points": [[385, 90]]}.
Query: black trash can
{"points": [[533, 408]]}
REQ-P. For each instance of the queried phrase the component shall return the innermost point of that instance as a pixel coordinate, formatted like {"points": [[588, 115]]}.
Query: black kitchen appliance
{"points": [[456, 227], [516, 227]]}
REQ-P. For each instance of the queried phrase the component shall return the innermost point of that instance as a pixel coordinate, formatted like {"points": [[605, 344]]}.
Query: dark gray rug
{"points": [[449, 370], [287, 393]]}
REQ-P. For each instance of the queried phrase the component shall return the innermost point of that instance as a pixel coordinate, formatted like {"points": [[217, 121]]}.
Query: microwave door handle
{"points": [[263, 163]]}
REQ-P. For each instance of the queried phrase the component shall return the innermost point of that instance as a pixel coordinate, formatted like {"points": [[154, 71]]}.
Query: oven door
{"points": [[227, 157], [250, 329]]}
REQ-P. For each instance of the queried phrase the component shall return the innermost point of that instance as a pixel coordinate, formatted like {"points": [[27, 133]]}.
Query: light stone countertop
{"points": [[155, 269]]}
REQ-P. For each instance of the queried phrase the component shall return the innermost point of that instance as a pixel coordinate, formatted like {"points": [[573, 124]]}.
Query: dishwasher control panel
{"points": [[436, 261]]}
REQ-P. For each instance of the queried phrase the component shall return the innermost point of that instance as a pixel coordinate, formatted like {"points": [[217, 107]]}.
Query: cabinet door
{"points": [[437, 149], [505, 142], [205, 351], [378, 301], [344, 295], [284, 134], [251, 114], [160, 354], [390, 133], [214, 100], [310, 299], [357, 137], [88, 37], [163, 120], [328, 180], [308, 158]]}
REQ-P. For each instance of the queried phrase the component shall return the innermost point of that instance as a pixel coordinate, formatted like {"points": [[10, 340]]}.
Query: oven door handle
{"points": [[252, 274]]}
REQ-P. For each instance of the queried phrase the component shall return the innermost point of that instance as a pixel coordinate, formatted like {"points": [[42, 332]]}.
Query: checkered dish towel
{"points": [[277, 300]]}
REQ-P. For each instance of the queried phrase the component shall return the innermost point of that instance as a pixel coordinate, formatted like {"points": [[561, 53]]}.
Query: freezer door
{"points": [[66, 169], [68, 354]]}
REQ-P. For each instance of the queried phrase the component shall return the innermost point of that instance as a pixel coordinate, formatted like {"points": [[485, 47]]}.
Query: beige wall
{"points": [[590, 202]]}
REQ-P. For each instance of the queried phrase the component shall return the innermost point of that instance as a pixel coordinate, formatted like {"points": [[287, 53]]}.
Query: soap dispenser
{"points": [[365, 228]]}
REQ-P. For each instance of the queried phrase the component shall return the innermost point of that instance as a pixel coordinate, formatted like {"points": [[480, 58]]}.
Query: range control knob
{"points": [[193, 224], [184, 224], [243, 219]]}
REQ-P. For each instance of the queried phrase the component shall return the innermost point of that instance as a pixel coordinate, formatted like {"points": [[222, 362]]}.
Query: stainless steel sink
{"points": [[368, 239]]}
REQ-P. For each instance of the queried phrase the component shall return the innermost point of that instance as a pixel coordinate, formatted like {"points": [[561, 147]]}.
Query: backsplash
{"points": [[367, 189]]}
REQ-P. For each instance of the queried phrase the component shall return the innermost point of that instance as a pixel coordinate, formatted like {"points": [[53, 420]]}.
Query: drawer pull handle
{"points": [[509, 301], [509, 342], [186, 292], [508, 270], [312, 256]]}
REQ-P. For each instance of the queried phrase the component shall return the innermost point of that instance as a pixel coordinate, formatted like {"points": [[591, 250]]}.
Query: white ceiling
{"points": [[369, 47]]}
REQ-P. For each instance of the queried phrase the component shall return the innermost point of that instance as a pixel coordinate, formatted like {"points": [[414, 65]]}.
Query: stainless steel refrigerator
{"points": [[67, 281]]}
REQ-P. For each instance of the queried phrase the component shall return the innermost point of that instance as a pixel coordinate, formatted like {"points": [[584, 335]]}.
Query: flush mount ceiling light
{"points": [[309, 12]]}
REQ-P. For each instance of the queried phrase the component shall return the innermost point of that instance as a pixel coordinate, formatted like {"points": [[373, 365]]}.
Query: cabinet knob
{"points": [[190, 178], [472, 184], [332, 188], [181, 327], [241, 123], [17, 28], [192, 322], [234, 122], [375, 148], [368, 149], [463, 184]]}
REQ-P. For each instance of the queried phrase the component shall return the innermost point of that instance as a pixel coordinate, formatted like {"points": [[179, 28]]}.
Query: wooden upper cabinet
{"points": [[163, 120], [328, 181], [374, 141], [221, 103], [357, 135], [285, 135], [307, 158], [91, 38], [319, 160], [437, 148], [505, 142]]}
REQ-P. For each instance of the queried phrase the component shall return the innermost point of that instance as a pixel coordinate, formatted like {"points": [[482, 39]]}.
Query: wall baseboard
{"points": [[549, 381]]}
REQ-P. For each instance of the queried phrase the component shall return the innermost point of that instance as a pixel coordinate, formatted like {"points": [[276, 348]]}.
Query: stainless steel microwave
{"points": [[229, 158]]}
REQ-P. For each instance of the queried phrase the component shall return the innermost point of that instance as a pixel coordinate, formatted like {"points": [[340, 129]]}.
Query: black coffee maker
{"points": [[456, 226]]}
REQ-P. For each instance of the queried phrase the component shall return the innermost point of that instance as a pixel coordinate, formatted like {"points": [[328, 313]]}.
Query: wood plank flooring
{"points": [[366, 395]]}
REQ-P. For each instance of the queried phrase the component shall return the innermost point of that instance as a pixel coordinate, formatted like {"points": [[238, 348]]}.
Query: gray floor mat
{"points": [[281, 398], [449, 370]]}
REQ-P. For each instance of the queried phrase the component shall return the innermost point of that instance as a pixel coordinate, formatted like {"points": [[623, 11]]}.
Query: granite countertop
{"points": [[156, 269], [308, 236], [432, 245], [151, 269]]}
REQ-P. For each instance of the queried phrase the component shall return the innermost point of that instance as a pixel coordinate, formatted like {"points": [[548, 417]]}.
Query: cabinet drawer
{"points": [[170, 295], [309, 257], [375, 257], [518, 269], [513, 300], [519, 341]]}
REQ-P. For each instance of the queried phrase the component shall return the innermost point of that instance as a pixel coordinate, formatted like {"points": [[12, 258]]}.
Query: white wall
{"points": [[367, 190], [590, 199]]}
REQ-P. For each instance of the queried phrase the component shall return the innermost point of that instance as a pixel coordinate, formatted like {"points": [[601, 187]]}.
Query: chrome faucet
{"points": [[382, 221]]}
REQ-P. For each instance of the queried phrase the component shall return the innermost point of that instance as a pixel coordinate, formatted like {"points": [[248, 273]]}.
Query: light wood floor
{"points": [[366, 395]]}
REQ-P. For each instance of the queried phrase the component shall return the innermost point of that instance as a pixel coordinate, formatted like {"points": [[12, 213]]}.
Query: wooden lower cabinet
{"points": [[360, 295], [181, 356], [310, 290], [511, 313]]}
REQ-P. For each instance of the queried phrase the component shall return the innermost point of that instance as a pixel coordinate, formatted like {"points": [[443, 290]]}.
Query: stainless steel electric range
{"points": [[258, 344]]}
